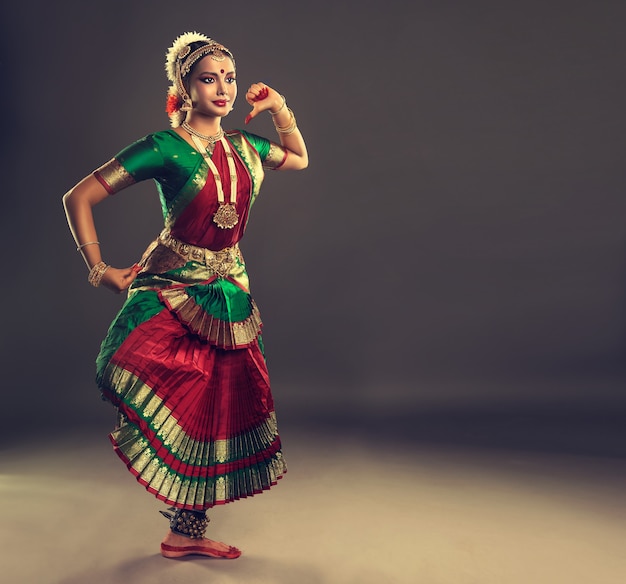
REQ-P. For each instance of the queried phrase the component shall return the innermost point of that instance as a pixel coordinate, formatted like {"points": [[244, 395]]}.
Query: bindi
{"points": [[221, 70]]}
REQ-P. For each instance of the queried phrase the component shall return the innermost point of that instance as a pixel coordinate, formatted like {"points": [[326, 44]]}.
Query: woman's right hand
{"points": [[119, 279]]}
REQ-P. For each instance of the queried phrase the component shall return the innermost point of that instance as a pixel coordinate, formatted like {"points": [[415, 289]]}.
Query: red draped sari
{"points": [[183, 360]]}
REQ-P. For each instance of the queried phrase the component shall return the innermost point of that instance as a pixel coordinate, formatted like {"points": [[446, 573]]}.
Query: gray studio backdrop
{"points": [[457, 242]]}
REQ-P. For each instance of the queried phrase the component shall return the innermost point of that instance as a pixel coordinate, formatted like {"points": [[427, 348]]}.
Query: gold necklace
{"points": [[206, 137], [226, 215]]}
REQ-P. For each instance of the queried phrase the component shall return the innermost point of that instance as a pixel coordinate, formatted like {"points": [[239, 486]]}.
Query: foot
{"points": [[177, 546]]}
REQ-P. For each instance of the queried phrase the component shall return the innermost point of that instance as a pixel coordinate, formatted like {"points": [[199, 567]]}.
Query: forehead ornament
{"points": [[216, 51]]}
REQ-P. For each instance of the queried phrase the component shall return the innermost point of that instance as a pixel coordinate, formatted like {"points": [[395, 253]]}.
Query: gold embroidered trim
{"points": [[226, 335], [156, 473], [200, 491], [113, 176], [251, 160], [275, 157], [142, 399]]}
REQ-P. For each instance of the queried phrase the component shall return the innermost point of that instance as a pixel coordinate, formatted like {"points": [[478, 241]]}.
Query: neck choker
{"points": [[211, 139]]}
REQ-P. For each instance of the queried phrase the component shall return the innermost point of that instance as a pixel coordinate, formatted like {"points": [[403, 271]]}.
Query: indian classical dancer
{"points": [[183, 360]]}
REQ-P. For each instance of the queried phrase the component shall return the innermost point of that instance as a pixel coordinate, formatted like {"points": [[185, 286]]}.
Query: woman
{"points": [[183, 360]]}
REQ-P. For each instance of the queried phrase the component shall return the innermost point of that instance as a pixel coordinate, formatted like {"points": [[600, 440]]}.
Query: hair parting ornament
{"points": [[179, 61]]}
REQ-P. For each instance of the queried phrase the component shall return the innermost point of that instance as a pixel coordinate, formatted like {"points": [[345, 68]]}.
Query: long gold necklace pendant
{"points": [[226, 216]]}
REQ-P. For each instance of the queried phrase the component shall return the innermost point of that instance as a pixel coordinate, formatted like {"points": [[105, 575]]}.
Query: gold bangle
{"points": [[292, 120], [288, 131], [96, 273], [280, 109], [289, 128], [86, 244]]}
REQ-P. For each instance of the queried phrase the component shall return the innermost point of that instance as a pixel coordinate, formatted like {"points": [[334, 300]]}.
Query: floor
{"points": [[348, 512]]}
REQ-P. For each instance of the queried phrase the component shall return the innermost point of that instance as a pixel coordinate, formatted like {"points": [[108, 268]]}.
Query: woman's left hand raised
{"points": [[262, 97]]}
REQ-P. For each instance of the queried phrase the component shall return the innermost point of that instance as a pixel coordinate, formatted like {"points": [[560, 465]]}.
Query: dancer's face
{"points": [[213, 86]]}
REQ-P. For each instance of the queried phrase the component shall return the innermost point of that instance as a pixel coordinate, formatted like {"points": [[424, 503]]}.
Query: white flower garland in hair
{"points": [[179, 44], [175, 99]]}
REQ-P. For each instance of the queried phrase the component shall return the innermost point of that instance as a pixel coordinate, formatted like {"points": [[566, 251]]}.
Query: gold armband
{"points": [[275, 157], [113, 176]]}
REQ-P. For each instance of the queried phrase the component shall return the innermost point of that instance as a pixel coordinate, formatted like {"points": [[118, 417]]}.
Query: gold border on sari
{"points": [[113, 176], [141, 399], [251, 160], [275, 157]]}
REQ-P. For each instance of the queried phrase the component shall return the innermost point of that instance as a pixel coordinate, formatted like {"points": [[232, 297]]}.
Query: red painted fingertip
{"points": [[136, 268], [248, 118], [262, 95]]}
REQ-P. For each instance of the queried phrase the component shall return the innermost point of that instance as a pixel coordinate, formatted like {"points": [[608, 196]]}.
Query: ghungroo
{"points": [[191, 524]]}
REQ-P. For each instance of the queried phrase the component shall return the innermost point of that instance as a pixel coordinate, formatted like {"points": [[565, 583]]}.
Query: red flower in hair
{"points": [[173, 104]]}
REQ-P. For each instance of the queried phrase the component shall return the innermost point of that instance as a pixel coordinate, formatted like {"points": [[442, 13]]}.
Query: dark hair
{"points": [[199, 44]]}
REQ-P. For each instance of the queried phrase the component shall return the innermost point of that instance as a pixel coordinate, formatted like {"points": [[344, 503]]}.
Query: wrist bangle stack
{"points": [[96, 273], [290, 128], [86, 244], [280, 109]]}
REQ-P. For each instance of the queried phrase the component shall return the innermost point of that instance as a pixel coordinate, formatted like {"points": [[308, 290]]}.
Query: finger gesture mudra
{"points": [[262, 98]]}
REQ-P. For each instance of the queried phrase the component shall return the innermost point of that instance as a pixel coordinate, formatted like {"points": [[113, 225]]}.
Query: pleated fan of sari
{"points": [[200, 430]]}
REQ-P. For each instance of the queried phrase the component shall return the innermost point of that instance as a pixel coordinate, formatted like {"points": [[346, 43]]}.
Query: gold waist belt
{"points": [[221, 262]]}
